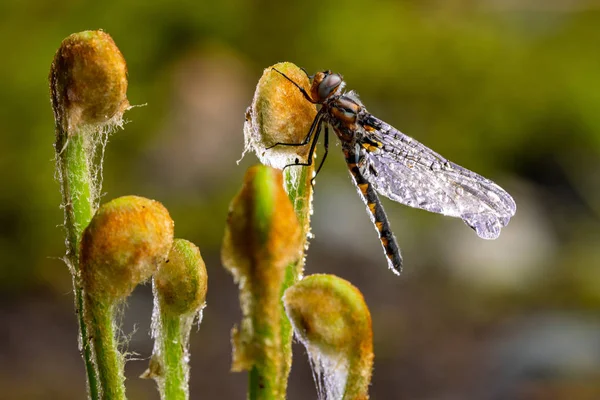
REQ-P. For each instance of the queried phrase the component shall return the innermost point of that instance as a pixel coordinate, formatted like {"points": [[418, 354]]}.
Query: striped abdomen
{"points": [[378, 217]]}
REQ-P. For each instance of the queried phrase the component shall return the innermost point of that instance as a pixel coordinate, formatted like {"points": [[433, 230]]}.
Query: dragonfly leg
{"points": [[311, 151], [304, 93], [306, 73], [313, 128], [326, 145]]}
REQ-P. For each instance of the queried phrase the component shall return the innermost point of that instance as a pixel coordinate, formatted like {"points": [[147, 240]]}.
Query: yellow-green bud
{"points": [[262, 227], [331, 319], [181, 280]]}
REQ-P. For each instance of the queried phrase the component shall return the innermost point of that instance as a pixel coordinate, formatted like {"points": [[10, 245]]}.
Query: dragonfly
{"points": [[383, 160]]}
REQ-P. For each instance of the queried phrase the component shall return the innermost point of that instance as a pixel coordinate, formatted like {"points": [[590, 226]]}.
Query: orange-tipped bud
{"points": [[279, 113], [88, 81], [123, 245]]}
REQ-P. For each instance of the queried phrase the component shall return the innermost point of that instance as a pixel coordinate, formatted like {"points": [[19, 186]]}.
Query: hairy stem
{"points": [[109, 361], [174, 358], [120, 248], [78, 208], [180, 287]]}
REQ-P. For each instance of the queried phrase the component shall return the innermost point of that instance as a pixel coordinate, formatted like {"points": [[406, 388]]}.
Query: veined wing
{"points": [[410, 173]]}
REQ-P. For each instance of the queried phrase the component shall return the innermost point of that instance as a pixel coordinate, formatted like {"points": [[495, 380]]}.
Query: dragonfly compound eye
{"points": [[328, 85]]}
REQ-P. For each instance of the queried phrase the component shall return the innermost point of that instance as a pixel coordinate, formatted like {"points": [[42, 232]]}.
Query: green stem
{"points": [[88, 82], [179, 287], [174, 355], [262, 244], [260, 383], [109, 362], [85, 341], [120, 248], [267, 379], [299, 189], [269, 374], [286, 330], [78, 208]]}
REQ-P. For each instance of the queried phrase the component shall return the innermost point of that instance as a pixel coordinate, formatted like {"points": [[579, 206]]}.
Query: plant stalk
{"points": [[78, 208], [109, 361], [174, 353]]}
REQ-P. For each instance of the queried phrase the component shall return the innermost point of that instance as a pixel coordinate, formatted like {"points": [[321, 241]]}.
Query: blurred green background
{"points": [[508, 88]]}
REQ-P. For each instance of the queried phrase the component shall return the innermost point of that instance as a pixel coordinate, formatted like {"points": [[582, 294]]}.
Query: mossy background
{"points": [[506, 88]]}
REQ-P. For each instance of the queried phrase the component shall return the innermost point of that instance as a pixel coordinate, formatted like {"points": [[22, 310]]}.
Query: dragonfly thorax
{"points": [[344, 109]]}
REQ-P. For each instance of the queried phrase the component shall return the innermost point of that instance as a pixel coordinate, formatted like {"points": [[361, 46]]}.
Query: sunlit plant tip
{"points": [[279, 113]]}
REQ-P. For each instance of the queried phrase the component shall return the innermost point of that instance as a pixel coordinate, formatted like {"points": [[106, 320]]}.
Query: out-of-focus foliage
{"points": [[509, 88], [506, 88]]}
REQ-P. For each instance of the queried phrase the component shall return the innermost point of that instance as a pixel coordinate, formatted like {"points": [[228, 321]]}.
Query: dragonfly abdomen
{"points": [[377, 213]]}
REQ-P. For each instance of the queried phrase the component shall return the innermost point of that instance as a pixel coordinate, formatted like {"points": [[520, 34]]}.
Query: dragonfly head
{"points": [[324, 85]]}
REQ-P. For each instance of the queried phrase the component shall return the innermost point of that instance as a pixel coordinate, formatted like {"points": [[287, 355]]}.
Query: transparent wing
{"points": [[408, 172]]}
